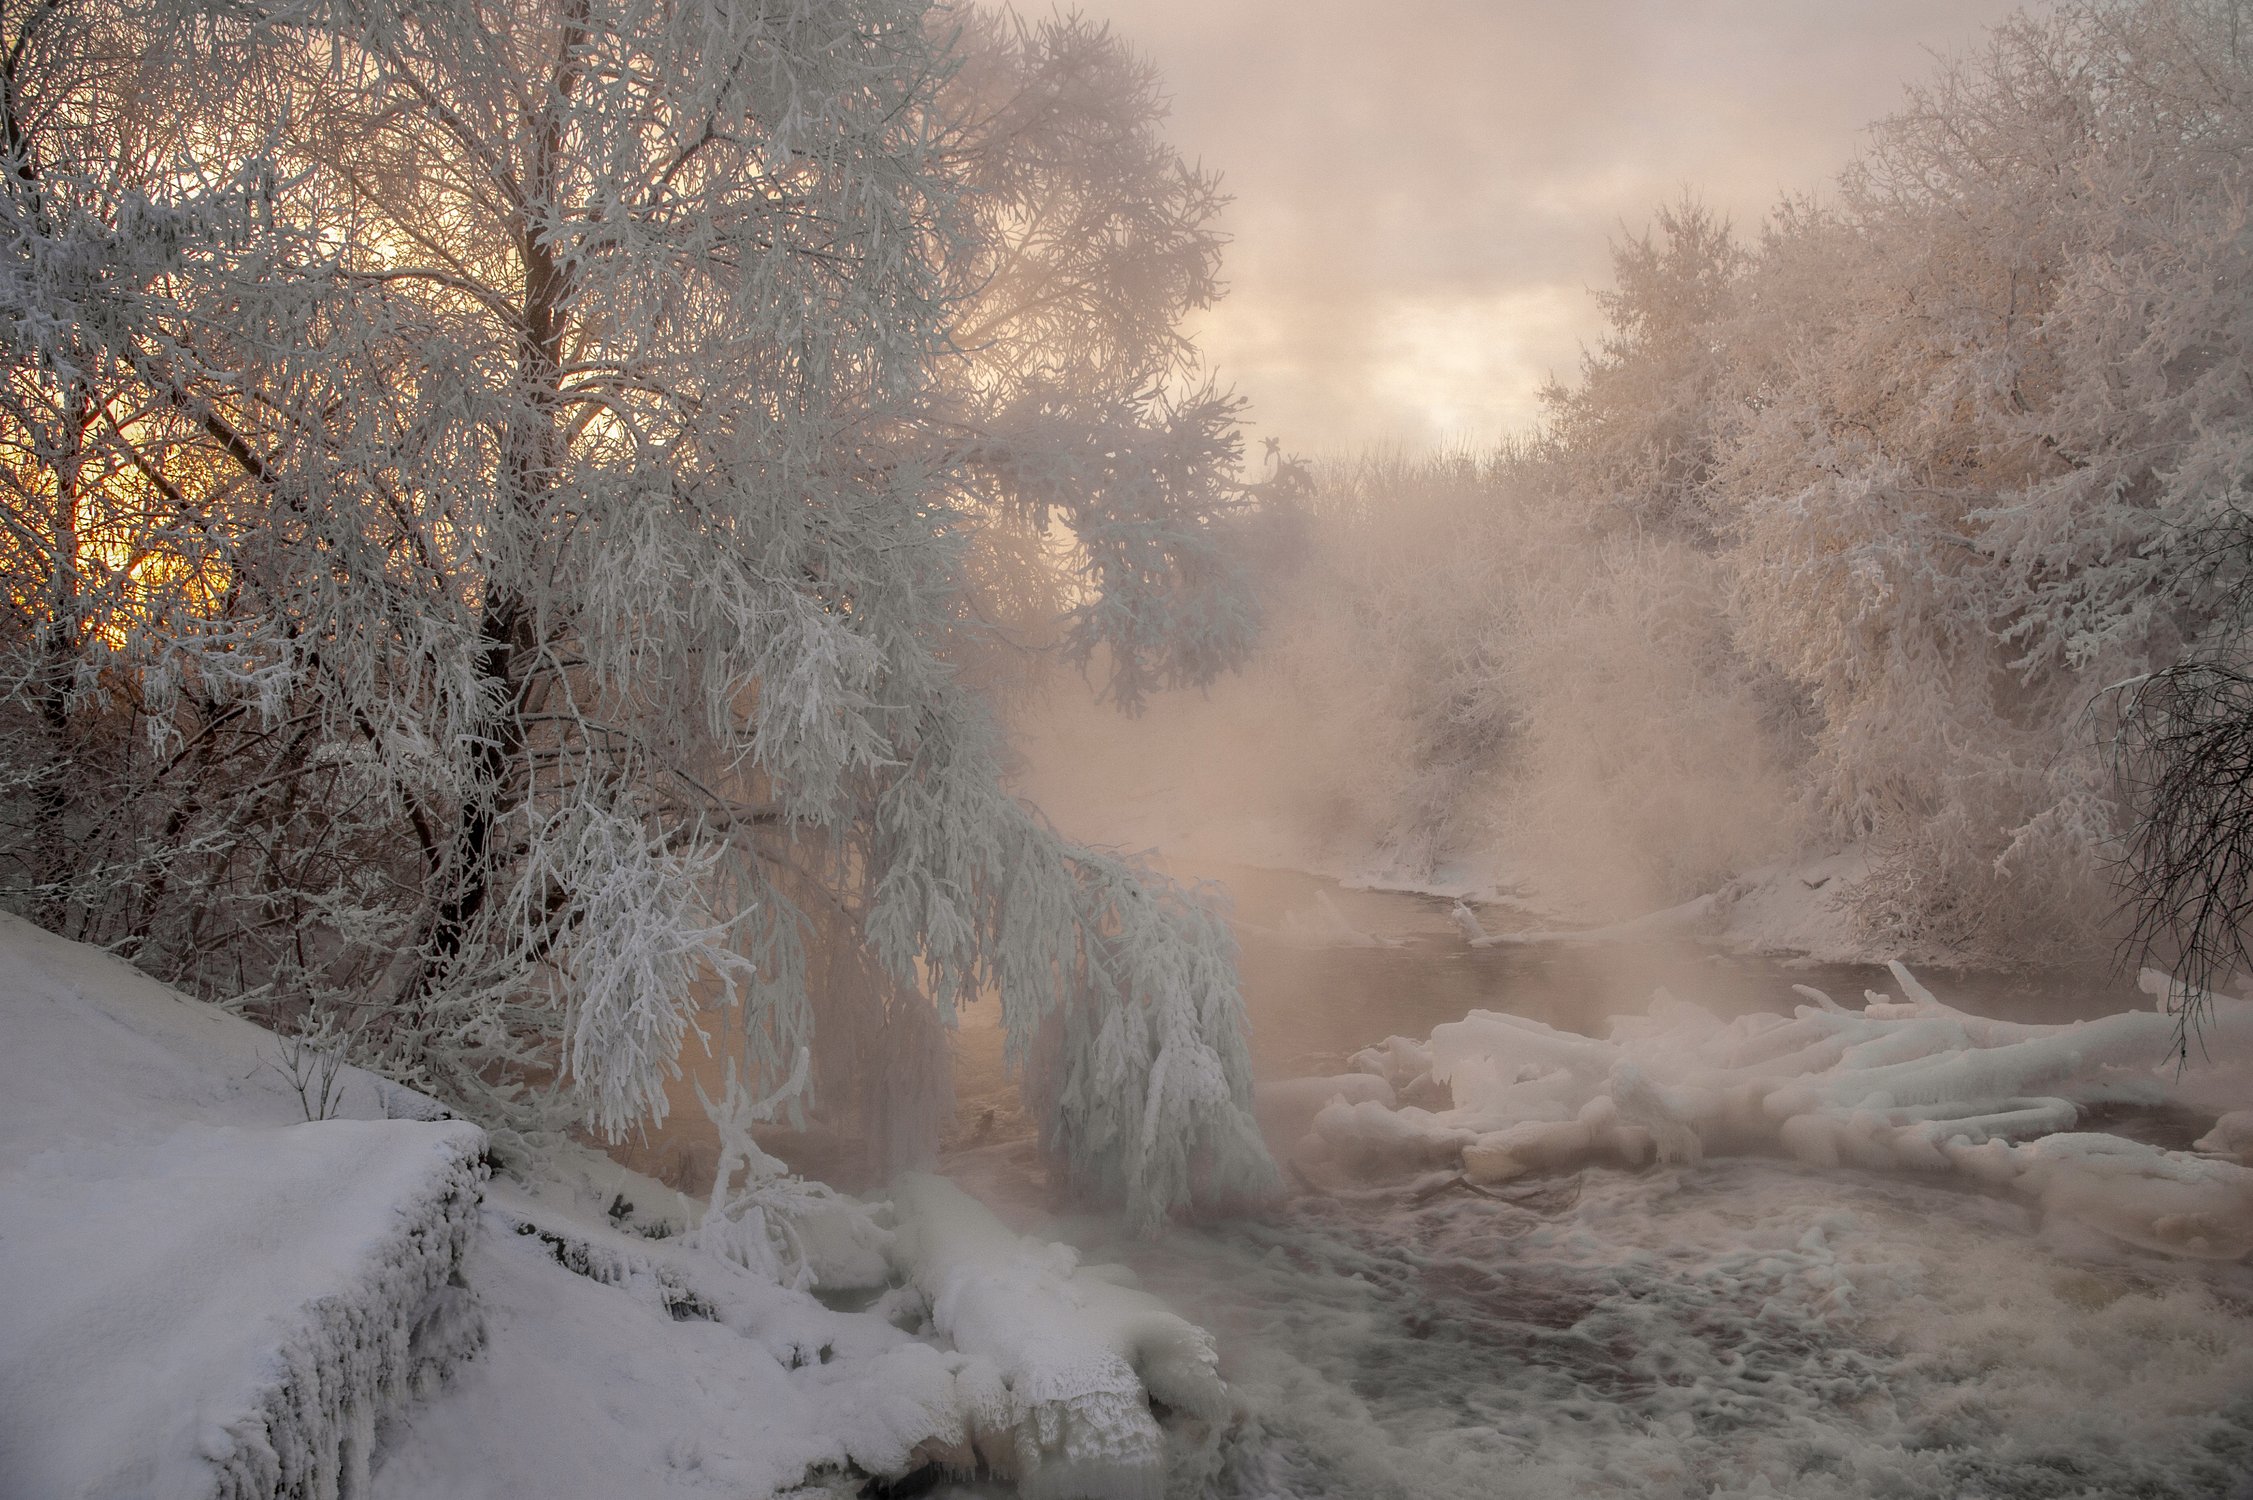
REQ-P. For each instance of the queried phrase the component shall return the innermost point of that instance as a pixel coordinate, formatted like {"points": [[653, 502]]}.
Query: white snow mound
{"points": [[1064, 1361], [206, 1294]]}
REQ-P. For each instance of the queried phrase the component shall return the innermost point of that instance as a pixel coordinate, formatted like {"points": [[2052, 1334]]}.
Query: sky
{"points": [[1426, 191]]}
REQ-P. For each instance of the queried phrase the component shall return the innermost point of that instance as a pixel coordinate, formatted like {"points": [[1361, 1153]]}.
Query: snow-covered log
{"points": [[1065, 1363], [1910, 1084]]}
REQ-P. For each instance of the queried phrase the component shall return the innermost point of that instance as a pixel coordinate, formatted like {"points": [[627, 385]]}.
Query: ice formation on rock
{"points": [[1898, 1084], [1064, 1361]]}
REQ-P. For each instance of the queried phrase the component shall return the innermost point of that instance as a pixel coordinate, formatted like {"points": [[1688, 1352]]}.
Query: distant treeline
{"points": [[1868, 525]]}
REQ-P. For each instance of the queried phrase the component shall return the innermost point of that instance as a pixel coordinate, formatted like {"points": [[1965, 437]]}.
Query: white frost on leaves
{"points": [[1911, 1084], [775, 1223], [1064, 1362], [690, 694]]}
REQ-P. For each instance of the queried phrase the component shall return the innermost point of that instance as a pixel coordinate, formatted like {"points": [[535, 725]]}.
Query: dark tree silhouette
{"points": [[2185, 757]]}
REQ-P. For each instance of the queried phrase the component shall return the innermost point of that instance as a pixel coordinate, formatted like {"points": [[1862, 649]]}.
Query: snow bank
{"points": [[228, 1311], [1909, 1084], [208, 1295], [620, 1365], [99, 1052], [1672, 921], [1065, 1363], [1798, 909], [1803, 908]]}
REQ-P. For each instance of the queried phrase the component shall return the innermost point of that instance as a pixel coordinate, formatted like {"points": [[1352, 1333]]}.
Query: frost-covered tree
{"points": [[120, 509], [1101, 455], [580, 667], [1854, 525], [2186, 757], [1638, 436], [1998, 406]]}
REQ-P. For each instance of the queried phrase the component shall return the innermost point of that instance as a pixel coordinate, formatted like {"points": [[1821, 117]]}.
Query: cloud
{"points": [[1426, 190]]}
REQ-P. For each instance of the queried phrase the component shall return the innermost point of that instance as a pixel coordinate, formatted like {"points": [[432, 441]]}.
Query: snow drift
{"points": [[1065, 1362]]}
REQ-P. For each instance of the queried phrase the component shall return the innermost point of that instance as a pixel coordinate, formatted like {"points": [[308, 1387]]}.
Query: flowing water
{"points": [[1743, 1327]]}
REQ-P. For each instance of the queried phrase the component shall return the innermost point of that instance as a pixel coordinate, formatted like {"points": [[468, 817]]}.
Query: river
{"points": [[1744, 1327]]}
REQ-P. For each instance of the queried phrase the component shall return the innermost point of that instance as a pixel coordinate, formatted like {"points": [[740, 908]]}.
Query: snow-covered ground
{"points": [[209, 1294], [205, 1292]]}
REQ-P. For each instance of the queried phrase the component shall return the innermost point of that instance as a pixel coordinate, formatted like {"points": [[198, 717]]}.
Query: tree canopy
{"points": [[502, 501]]}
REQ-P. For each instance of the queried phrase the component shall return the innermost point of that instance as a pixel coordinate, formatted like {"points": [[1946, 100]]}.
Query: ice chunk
{"points": [[1369, 1139], [1397, 1060], [2232, 1136], [2162, 1200], [1913, 1084]]}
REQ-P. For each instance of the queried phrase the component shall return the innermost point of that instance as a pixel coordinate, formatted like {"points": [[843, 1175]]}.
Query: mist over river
{"points": [[1746, 1326]]}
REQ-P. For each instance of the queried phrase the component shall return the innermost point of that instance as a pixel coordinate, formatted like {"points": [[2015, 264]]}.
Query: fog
{"points": [[1462, 688], [1423, 215]]}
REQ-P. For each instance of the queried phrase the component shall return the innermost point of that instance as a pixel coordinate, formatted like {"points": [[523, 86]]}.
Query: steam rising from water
{"points": [[1458, 679], [1740, 1329]]}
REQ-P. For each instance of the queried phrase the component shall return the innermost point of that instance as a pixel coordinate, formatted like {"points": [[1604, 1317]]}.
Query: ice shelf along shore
{"points": [[206, 1293], [1909, 1083]]}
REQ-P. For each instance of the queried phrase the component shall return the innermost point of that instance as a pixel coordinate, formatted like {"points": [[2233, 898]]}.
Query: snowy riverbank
{"points": [[208, 1293]]}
